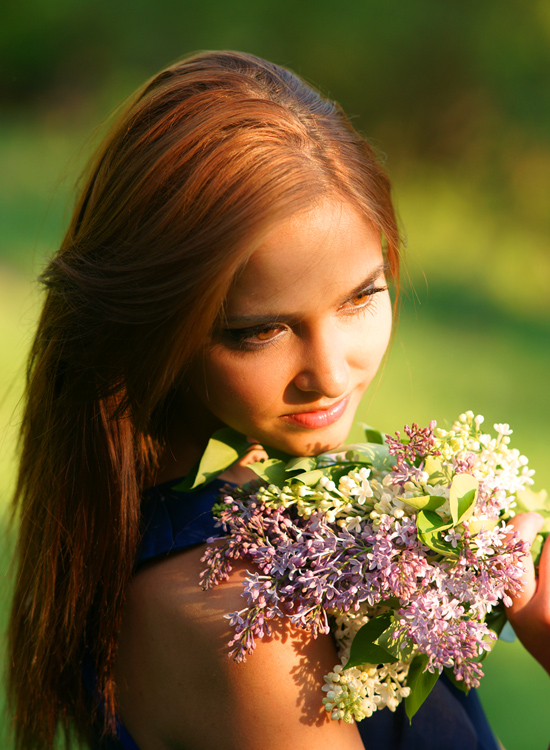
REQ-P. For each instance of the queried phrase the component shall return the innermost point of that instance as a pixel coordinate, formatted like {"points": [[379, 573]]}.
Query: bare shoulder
{"points": [[178, 688]]}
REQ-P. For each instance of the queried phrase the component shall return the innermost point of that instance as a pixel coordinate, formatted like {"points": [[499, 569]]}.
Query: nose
{"points": [[323, 367]]}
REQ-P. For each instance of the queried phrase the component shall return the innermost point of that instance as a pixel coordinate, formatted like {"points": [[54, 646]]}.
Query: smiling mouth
{"points": [[313, 420]]}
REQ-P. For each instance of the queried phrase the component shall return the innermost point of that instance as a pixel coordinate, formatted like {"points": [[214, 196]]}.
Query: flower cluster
{"points": [[401, 548]]}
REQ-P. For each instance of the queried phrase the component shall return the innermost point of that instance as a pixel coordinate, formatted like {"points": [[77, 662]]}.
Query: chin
{"points": [[313, 442]]}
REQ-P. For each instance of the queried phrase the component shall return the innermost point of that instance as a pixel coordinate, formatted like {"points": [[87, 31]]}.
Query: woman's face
{"points": [[308, 321]]}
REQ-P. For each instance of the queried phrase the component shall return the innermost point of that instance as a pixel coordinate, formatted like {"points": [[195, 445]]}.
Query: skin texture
{"points": [[178, 689], [530, 612], [318, 339]]}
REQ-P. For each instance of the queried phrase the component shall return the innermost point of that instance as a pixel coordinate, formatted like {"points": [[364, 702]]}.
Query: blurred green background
{"points": [[456, 93]]}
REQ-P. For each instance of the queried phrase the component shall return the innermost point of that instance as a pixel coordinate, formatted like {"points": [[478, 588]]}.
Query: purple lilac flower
{"points": [[421, 442]]}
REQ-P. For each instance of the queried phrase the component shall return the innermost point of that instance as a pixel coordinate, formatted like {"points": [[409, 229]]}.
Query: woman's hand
{"points": [[529, 614], [239, 473]]}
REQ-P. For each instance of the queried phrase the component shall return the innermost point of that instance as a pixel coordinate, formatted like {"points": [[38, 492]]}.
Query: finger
{"points": [[527, 525], [255, 454]]}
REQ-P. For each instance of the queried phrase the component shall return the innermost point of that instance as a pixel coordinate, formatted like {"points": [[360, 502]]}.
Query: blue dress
{"points": [[448, 720]]}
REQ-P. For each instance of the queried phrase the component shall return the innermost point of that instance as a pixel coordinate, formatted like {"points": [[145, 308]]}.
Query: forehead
{"points": [[308, 257]]}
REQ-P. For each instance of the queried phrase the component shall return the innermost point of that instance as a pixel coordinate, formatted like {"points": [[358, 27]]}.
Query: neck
{"points": [[190, 428]]}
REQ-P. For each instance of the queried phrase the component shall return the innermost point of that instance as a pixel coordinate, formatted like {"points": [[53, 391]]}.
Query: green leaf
{"points": [[224, 448], [463, 496], [429, 526], [271, 470], [356, 460], [528, 501], [392, 602], [536, 547], [496, 619], [372, 435], [364, 650], [434, 542], [310, 477], [428, 521], [424, 502], [421, 684], [433, 466], [374, 454], [400, 647], [301, 463]]}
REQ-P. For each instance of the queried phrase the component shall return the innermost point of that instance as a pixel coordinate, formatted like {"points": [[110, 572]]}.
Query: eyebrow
{"points": [[241, 321]]}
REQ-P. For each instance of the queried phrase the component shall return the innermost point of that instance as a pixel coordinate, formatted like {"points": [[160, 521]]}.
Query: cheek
{"points": [[372, 342], [244, 386]]}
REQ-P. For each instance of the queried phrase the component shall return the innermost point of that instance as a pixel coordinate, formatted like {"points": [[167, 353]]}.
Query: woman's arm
{"points": [[178, 688], [530, 612]]}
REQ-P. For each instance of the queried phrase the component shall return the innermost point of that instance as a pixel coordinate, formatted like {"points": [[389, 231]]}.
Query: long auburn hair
{"points": [[206, 154]]}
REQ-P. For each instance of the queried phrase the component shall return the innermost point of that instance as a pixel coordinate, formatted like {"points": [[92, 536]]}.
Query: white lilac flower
{"points": [[356, 693], [503, 429], [363, 492], [352, 523], [437, 490]]}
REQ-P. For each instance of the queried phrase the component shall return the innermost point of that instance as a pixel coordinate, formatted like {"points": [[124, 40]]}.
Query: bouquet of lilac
{"points": [[399, 547]]}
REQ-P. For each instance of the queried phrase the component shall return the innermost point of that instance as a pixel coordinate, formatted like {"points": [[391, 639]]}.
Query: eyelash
{"points": [[240, 337], [369, 293]]}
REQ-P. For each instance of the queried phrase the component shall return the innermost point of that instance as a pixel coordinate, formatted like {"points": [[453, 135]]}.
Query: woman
{"points": [[225, 265]]}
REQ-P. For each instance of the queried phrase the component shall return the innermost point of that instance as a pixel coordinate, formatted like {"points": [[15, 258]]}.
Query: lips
{"points": [[313, 420]]}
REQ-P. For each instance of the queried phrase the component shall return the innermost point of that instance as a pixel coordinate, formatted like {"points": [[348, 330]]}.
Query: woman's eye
{"points": [[363, 298], [266, 335], [358, 299], [248, 338]]}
